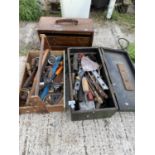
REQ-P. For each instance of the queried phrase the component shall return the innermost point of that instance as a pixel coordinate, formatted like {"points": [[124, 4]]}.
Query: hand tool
{"points": [[97, 97], [40, 64], [77, 83], [46, 88], [80, 55], [34, 62], [75, 62], [28, 67], [53, 98], [88, 65], [73, 77], [55, 72], [24, 92], [78, 79], [59, 79], [89, 101], [86, 90], [100, 81], [81, 72], [44, 61], [29, 80], [51, 60], [98, 89]]}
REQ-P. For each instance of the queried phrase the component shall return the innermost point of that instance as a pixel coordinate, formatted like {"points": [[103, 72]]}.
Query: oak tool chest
{"points": [[101, 82], [62, 33]]}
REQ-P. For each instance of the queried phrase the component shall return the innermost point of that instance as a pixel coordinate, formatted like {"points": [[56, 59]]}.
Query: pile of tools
{"points": [[51, 85], [89, 88], [31, 70], [50, 81]]}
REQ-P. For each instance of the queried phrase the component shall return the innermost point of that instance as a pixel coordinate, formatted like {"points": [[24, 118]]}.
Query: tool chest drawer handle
{"points": [[70, 21]]}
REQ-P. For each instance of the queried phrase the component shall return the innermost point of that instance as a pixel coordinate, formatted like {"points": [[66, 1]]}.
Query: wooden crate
{"points": [[35, 104]]}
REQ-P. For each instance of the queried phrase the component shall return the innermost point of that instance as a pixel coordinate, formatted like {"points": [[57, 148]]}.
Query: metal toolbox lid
{"points": [[122, 75]]}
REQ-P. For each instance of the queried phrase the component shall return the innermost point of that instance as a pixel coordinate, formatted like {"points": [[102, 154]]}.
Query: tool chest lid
{"points": [[58, 24], [122, 76]]}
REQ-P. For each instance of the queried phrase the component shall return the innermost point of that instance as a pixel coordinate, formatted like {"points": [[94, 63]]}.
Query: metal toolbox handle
{"points": [[70, 21]]}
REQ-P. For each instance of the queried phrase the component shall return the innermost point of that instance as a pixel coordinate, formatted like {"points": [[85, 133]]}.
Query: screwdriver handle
{"points": [[59, 70]]}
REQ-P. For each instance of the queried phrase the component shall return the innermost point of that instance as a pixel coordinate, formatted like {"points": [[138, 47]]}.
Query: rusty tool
{"points": [[30, 79], [53, 98], [97, 97], [28, 67], [34, 67], [96, 85], [44, 60], [24, 92], [100, 80]]}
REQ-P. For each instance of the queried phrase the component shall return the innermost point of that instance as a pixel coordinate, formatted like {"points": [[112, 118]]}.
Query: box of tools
{"points": [[95, 82], [101, 82], [51, 93]]}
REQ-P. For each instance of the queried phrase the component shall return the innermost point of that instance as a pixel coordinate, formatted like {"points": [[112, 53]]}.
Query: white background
{"points": [[145, 77]]}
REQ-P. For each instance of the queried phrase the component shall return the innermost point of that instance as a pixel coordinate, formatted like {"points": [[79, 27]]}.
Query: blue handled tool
{"points": [[54, 68]]}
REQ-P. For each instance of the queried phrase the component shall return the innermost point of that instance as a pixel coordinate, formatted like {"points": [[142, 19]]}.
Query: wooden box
{"points": [[120, 99], [35, 104], [62, 33]]}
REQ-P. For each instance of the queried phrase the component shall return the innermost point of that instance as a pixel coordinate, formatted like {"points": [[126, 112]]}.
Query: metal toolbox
{"points": [[62, 33], [118, 73], [33, 102]]}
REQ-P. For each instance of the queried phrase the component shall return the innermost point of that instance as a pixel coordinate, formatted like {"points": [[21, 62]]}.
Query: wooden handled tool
{"points": [[97, 97], [40, 63], [85, 85], [45, 56], [88, 104], [86, 90], [96, 85], [28, 67]]}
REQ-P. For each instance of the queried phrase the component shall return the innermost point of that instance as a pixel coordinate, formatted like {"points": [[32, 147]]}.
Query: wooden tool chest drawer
{"points": [[63, 33], [59, 41]]}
